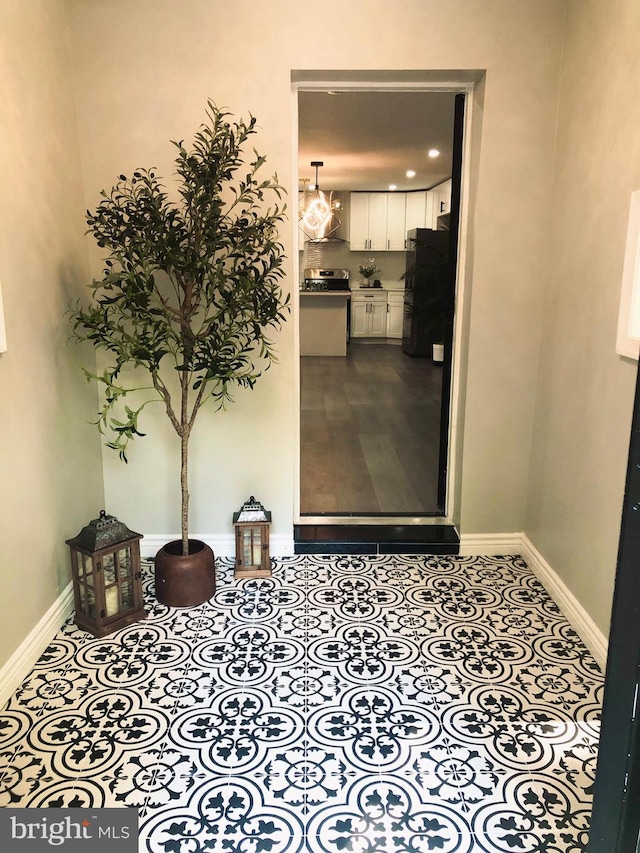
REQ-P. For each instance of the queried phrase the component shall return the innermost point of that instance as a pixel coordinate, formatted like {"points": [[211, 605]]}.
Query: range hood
{"points": [[332, 237]]}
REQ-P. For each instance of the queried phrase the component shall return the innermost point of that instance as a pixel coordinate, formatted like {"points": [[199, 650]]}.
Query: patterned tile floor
{"points": [[387, 704]]}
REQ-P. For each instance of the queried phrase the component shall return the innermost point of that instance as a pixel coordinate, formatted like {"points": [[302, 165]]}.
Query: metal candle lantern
{"points": [[252, 523], [107, 581]]}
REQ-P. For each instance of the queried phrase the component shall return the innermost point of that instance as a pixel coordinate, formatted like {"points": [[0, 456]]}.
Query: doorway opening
{"points": [[369, 433], [375, 422]]}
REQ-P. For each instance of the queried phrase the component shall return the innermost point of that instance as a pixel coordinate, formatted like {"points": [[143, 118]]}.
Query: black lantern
{"points": [[107, 581], [252, 540]]}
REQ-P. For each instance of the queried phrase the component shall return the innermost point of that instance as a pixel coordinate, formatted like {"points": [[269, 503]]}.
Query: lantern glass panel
{"points": [[126, 578], [109, 569], [112, 601], [88, 574], [124, 563], [252, 546], [88, 601], [111, 594], [84, 569]]}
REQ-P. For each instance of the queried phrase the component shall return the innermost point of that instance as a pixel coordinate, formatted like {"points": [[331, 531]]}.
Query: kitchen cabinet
{"points": [[368, 314], [358, 221], [368, 221], [377, 222], [395, 314], [419, 209], [441, 201], [415, 209], [396, 222]]}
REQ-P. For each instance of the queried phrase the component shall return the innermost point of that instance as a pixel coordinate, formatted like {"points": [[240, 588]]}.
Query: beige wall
{"points": [[144, 69], [585, 395], [50, 461]]}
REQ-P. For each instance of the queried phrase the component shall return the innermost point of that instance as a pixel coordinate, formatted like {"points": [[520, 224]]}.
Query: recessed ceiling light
{"points": [[433, 152], [410, 173], [393, 187]]}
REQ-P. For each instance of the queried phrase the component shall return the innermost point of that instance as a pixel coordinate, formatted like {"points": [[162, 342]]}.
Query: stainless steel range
{"points": [[324, 312], [325, 281]]}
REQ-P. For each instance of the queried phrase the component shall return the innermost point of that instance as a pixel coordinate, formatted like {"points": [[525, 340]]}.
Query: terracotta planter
{"points": [[185, 581]]}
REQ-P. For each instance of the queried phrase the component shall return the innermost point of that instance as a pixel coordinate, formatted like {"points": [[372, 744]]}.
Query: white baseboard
{"points": [[222, 545], [591, 635], [519, 543], [490, 544], [26, 655]]}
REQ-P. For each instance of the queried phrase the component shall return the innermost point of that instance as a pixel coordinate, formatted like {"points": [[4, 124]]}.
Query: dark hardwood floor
{"points": [[370, 426]]}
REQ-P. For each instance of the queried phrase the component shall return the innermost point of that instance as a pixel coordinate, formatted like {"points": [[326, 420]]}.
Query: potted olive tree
{"points": [[189, 295]]}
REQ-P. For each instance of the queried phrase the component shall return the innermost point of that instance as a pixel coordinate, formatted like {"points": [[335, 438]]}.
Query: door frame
{"points": [[615, 815], [458, 82], [449, 337]]}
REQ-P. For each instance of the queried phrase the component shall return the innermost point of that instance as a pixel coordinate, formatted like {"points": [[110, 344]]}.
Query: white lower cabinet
{"points": [[369, 315], [395, 314]]}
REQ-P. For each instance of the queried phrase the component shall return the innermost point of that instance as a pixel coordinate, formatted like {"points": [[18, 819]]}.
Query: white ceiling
{"points": [[368, 140]]}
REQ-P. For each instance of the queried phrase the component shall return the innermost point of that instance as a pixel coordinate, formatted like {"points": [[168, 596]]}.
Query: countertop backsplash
{"points": [[337, 255]]}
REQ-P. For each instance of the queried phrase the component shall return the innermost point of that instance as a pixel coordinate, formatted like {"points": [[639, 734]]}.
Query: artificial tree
{"points": [[190, 289]]}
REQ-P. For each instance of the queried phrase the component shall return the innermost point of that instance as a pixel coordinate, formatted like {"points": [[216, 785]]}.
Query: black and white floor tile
{"points": [[366, 704]]}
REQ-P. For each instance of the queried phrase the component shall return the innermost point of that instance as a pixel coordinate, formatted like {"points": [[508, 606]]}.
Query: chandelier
{"points": [[317, 212]]}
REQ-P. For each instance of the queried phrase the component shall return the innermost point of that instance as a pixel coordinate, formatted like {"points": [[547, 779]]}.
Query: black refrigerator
{"points": [[428, 292]]}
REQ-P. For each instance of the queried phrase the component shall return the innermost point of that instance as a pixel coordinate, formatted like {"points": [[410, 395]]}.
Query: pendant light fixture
{"points": [[317, 213]]}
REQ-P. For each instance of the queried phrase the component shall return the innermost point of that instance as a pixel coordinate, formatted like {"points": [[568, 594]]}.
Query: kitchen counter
{"points": [[323, 322], [315, 293], [388, 286]]}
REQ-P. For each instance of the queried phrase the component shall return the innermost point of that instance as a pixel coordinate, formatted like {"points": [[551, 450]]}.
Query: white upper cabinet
{"points": [[377, 222], [378, 215], [421, 209], [359, 222], [396, 222], [442, 200], [416, 210]]}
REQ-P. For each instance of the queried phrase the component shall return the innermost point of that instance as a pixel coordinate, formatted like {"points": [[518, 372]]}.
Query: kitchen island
{"points": [[323, 322]]}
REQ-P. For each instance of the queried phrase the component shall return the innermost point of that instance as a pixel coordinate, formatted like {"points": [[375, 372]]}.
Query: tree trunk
{"points": [[184, 488], [184, 461]]}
